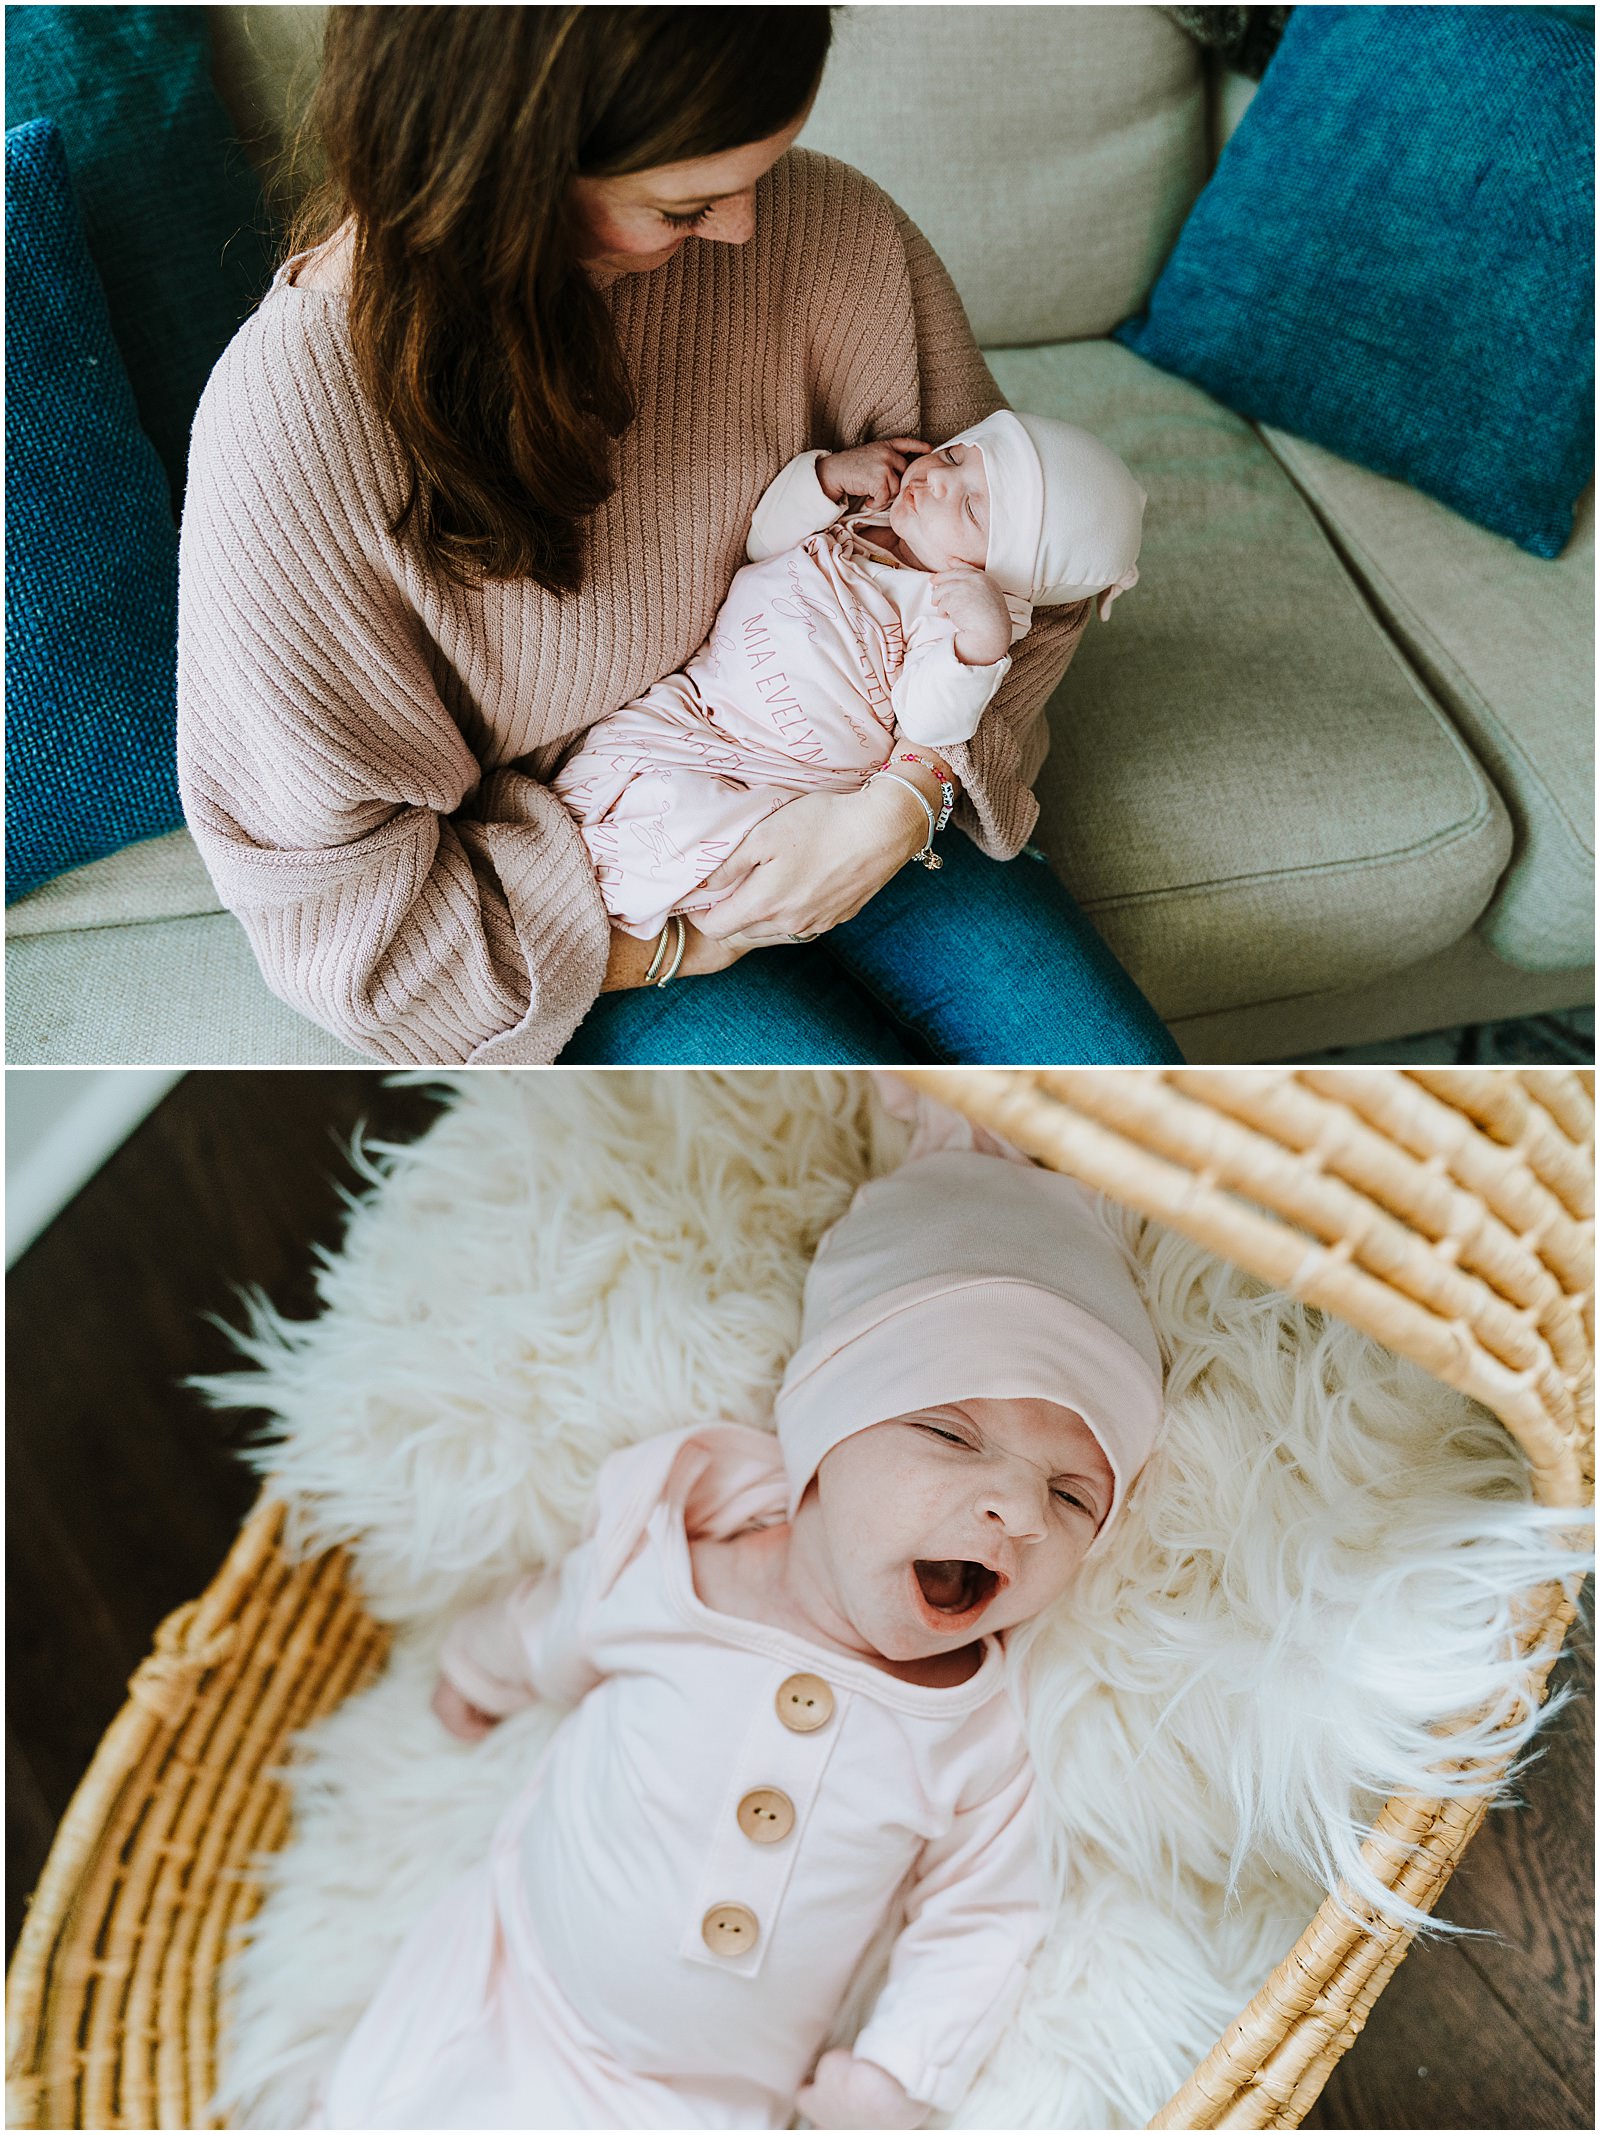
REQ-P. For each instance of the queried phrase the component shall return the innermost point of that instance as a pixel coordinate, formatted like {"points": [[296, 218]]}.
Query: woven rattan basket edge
{"points": [[192, 1646]]}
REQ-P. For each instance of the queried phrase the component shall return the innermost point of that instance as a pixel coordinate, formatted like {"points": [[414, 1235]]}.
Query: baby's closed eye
{"points": [[1064, 1493]]}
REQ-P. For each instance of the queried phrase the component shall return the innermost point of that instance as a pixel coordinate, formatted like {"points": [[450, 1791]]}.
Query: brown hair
{"points": [[450, 135]]}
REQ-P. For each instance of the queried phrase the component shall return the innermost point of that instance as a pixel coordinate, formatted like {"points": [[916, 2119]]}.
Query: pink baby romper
{"points": [[823, 645], [676, 1902]]}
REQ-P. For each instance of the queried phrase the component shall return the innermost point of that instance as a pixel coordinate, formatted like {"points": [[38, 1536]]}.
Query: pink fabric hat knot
{"points": [[965, 1275], [1066, 517]]}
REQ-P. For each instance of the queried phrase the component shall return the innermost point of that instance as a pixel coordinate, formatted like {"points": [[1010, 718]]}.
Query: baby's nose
{"points": [[1015, 1506]]}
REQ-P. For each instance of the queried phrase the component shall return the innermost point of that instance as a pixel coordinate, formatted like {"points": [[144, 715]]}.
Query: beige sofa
{"points": [[1328, 775]]}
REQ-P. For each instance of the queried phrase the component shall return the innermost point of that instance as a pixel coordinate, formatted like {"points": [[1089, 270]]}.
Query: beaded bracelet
{"points": [[946, 777]]}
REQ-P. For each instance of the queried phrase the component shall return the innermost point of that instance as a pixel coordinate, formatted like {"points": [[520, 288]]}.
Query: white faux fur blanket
{"points": [[1316, 1568]]}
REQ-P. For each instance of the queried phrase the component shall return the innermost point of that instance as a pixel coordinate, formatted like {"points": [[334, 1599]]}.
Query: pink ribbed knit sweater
{"points": [[364, 748]]}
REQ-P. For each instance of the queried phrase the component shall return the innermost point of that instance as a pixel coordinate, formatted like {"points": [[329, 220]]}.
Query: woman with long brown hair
{"points": [[480, 469]]}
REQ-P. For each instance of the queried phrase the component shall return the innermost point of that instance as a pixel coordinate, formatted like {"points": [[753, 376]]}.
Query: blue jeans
{"points": [[984, 962]]}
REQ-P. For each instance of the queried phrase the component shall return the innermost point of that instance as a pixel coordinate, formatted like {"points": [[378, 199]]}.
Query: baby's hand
{"points": [[971, 600], [871, 471], [459, 1714], [847, 2093]]}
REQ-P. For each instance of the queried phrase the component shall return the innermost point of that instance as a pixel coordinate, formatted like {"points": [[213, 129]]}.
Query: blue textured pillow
{"points": [[172, 211], [91, 552], [1394, 257]]}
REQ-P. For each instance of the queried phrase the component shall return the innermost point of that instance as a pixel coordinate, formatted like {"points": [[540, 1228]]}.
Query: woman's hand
{"points": [[812, 865], [630, 958], [971, 600], [870, 471], [459, 1715], [847, 2093]]}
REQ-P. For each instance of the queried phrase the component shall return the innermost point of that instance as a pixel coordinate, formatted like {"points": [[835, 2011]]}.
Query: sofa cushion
{"points": [[91, 552], [1248, 788], [1465, 984], [1505, 641], [171, 208], [160, 878], [172, 990], [1049, 154], [1404, 275]]}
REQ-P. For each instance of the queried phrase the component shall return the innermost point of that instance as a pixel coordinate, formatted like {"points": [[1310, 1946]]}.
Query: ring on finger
{"points": [[802, 937]]}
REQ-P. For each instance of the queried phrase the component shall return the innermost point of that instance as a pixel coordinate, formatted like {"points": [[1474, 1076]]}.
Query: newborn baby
{"points": [[843, 630], [790, 1713]]}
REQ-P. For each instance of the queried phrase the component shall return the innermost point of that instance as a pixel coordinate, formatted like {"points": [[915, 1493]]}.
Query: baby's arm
{"points": [[958, 1967], [937, 697], [531, 1642], [814, 488]]}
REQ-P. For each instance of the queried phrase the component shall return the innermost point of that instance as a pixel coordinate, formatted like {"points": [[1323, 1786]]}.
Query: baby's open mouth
{"points": [[955, 1587]]}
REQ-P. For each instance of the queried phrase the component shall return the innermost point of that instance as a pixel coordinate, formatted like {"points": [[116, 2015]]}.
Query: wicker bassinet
{"points": [[1448, 1214]]}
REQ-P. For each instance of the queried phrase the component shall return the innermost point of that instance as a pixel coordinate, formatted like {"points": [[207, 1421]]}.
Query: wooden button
{"points": [[730, 1930], [766, 1815], [805, 1703]]}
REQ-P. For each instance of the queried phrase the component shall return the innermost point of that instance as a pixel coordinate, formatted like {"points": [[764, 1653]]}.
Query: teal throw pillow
{"points": [[171, 208], [91, 673], [1395, 257]]}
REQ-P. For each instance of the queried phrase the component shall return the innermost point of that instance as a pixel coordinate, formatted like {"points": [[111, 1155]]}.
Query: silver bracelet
{"points": [[671, 971], [661, 950], [928, 857]]}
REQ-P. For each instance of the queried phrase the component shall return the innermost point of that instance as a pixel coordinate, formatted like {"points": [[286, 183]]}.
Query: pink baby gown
{"points": [[675, 1903], [823, 645]]}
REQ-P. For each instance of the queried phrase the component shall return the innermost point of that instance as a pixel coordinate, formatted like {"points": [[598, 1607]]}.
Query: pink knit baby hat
{"points": [[961, 1276], [1065, 516]]}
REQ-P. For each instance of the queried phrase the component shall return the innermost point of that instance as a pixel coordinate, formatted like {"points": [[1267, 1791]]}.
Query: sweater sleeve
{"points": [[997, 767], [529, 1643], [423, 911], [958, 1966], [936, 698]]}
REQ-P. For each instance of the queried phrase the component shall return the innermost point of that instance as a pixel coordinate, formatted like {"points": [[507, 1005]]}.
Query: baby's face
{"points": [[959, 1520], [942, 511]]}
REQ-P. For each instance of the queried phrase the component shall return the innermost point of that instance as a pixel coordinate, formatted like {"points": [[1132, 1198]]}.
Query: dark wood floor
{"points": [[124, 1494]]}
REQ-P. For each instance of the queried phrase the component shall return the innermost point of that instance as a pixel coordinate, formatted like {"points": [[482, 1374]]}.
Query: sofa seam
{"points": [[1423, 630], [112, 926], [1365, 863]]}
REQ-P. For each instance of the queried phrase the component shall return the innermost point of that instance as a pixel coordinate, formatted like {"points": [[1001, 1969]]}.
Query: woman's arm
{"points": [[423, 911], [631, 958]]}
